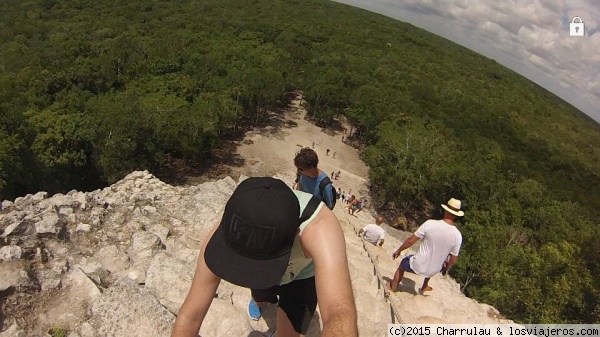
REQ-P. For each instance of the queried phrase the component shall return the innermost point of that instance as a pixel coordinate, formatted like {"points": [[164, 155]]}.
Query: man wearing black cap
{"points": [[284, 243]]}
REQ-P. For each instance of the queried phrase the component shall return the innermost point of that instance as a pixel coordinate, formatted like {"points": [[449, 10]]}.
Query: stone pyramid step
{"points": [[369, 266]]}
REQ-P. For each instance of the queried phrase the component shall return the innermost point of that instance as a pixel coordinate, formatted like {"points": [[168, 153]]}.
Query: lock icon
{"points": [[576, 28]]}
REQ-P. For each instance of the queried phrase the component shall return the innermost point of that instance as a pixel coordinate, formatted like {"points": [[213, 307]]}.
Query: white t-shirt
{"points": [[438, 240], [373, 233]]}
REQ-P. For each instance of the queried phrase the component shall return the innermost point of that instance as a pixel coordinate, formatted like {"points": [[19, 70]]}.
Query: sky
{"points": [[530, 37]]}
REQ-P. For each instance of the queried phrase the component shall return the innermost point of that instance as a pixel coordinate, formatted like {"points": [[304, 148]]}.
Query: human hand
{"points": [[396, 254]]}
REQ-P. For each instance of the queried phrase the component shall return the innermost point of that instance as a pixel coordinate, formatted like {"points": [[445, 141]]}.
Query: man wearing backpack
{"points": [[312, 179]]}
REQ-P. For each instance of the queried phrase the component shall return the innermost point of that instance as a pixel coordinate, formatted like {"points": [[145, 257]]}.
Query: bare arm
{"points": [[451, 262], [381, 242], [405, 245], [198, 300], [323, 240]]}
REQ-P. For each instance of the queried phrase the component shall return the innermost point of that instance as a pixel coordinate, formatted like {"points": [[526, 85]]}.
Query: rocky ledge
{"points": [[119, 262]]}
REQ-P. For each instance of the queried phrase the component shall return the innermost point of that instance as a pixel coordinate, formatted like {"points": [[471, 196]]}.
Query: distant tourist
{"points": [[361, 204], [373, 233], [334, 156], [352, 205], [440, 239], [261, 242], [306, 162], [348, 197], [357, 205], [313, 145], [327, 152]]}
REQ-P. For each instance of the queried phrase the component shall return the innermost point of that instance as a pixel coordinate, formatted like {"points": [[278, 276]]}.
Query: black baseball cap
{"points": [[252, 245]]}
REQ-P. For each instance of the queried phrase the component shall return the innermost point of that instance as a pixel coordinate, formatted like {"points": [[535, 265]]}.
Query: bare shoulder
{"points": [[325, 220], [323, 233]]}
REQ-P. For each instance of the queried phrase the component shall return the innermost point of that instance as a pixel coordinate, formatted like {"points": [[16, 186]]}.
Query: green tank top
{"points": [[300, 267]]}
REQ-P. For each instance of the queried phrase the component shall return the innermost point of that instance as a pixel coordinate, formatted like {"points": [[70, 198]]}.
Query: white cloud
{"points": [[541, 63], [594, 88]]}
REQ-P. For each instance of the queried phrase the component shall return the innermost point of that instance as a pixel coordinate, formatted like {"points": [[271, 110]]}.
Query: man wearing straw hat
{"points": [[438, 251]]}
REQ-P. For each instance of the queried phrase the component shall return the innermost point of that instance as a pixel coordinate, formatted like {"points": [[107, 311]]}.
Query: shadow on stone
{"points": [[177, 171], [406, 285], [3, 296]]}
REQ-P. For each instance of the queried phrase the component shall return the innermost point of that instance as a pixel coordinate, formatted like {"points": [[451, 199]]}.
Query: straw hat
{"points": [[453, 207]]}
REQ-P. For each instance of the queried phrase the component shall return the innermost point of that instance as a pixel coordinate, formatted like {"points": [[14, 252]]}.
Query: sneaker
{"points": [[253, 310]]}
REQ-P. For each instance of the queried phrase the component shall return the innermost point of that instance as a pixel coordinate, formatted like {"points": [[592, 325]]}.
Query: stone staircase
{"points": [[445, 304], [128, 273], [374, 312], [370, 267]]}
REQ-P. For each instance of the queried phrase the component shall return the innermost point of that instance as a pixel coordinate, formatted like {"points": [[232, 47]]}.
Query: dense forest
{"points": [[91, 90]]}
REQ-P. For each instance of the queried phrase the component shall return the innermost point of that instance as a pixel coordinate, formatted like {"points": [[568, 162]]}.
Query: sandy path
{"points": [[270, 151]]}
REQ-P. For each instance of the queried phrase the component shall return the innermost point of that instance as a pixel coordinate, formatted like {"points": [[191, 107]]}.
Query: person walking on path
{"points": [[348, 196], [440, 239], [361, 204], [373, 233], [355, 205], [262, 242], [351, 199], [307, 162], [352, 205]]}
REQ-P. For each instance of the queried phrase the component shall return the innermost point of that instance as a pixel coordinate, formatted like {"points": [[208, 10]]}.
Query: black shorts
{"points": [[298, 299]]}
